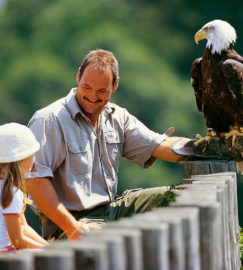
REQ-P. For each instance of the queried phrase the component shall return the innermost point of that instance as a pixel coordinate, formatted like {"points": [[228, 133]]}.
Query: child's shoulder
{"points": [[18, 195], [16, 190], [17, 204]]}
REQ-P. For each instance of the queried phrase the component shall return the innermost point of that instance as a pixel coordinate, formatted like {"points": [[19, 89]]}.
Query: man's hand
{"points": [[164, 150], [75, 232]]}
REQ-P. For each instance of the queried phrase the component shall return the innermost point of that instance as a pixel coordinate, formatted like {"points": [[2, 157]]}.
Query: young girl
{"points": [[17, 148]]}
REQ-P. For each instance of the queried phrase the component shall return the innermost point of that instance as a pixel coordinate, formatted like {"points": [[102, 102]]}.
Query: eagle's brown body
{"points": [[217, 80]]}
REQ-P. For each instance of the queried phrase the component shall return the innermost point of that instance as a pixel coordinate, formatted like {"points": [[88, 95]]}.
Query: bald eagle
{"points": [[217, 79]]}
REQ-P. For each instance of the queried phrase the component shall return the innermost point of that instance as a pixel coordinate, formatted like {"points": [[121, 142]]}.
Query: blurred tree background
{"points": [[44, 41]]}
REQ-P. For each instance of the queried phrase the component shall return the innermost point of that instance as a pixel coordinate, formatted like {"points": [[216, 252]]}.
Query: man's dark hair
{"points": [[102, 60]]}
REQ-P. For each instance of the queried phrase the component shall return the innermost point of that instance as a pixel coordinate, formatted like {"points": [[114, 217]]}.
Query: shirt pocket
{"points": [[114, 146], [78, 154]]}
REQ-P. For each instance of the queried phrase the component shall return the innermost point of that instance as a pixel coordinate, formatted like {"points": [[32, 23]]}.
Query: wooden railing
{"points": [[199, 231]]}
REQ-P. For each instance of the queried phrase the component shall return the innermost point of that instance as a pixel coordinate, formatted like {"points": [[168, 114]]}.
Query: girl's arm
{"points": [[16, 234], [31, 233]]}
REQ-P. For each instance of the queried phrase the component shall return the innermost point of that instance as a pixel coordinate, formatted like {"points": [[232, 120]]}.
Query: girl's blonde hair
{"points": [[12, 176]]}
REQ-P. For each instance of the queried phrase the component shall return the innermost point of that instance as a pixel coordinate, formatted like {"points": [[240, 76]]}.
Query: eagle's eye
{"points": [[210, 29]]}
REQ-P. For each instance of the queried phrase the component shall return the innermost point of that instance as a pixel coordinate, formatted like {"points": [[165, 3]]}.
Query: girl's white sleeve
{"points": [[17, 205]]}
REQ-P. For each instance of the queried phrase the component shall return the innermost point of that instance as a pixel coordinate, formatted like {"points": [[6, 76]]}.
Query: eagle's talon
{"points": [[234, 133], [208, 138], [198, 136]]}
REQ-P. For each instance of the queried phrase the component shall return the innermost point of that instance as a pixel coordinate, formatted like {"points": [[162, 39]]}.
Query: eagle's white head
{"points": [[220, 35]]}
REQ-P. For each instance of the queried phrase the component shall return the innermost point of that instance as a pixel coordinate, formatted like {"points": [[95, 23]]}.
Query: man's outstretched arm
{"points": [[164, 150]]}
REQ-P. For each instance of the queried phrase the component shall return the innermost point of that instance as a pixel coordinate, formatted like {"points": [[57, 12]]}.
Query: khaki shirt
{"points": [[82, 163]]}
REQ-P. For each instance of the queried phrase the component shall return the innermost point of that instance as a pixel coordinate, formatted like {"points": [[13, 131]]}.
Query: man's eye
{"points": [[102, 90]]}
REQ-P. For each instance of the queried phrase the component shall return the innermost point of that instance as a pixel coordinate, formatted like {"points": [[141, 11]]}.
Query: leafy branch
{"points": [[164, 199]]}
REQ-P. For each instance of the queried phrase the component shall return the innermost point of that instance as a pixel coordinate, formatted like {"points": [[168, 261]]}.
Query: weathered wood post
{"points": [[88, 255], [199, 167], [176, 248], [133, 244], [219, 174], [209, 217], [155, 237], [116, 248], [53, 260], [16, 261], [232, 208], [190, 244]]}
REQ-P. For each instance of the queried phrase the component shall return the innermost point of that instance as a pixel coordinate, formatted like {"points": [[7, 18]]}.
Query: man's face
{"points": [[94, 90]]}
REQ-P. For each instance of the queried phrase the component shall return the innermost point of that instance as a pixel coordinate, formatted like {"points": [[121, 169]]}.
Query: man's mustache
{"points": [[98, 100]]}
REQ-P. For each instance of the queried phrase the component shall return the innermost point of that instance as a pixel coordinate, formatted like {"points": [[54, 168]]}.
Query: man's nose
{"points": [[93, 96]]}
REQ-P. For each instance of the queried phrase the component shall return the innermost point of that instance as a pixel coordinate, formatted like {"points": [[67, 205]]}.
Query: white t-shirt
{"points": [[15, 208]]}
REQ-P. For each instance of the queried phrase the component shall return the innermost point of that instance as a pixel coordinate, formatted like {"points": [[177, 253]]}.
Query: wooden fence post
{"points": [[232, 208], [208, 167], [222, 174], [155, 238], [15, 261], [88, 255], [176, 243], [222, 197], [133, 244], [190, 241], [53, 260], [209, 216], [116, 248]]}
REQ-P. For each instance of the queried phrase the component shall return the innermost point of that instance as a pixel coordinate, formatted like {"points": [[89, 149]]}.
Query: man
{"points": [[83, 137]]}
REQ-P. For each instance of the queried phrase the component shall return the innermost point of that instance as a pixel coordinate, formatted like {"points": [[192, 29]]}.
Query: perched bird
{"points": [[217, 79]]}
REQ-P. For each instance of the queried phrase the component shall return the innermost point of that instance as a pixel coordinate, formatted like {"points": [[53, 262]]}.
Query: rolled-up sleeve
{"points": [[140, 142], [52, 152]]}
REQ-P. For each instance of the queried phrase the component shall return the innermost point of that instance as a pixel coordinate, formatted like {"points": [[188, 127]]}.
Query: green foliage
{"points": [[166, 198], [241, 244]]}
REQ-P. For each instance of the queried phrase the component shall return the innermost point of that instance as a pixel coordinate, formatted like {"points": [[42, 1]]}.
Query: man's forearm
{"points": [[44, 195]]}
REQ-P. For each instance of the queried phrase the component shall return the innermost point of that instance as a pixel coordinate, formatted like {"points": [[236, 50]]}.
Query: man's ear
{"points": [[115, 85], [78, 76]]}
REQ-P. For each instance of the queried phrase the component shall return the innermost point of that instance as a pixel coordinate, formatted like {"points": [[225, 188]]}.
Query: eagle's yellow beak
{"points": [[201, 34]]}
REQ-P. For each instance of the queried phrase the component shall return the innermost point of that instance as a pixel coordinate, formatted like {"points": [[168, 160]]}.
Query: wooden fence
{"points": [[199, 231]]}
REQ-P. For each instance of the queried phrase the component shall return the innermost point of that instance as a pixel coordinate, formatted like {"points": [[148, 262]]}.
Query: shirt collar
{"points": [[75, 109], [72, 104]]}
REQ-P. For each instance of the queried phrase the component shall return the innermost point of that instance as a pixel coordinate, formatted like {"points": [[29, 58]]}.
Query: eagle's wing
{"points": [[196, 81], [233, 73]]}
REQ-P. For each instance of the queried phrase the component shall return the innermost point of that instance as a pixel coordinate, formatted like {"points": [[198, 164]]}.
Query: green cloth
{"points": [[131, 202]]}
